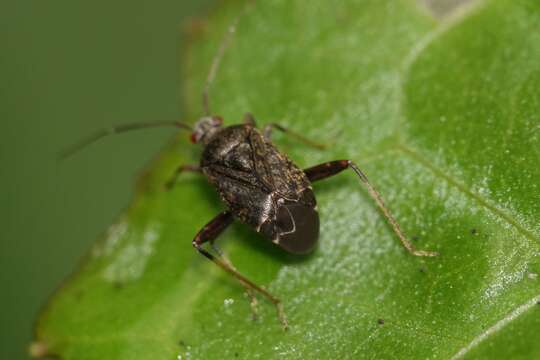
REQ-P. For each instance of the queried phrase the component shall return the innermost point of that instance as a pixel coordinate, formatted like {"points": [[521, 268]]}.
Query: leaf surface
{"points": [[444, 119]]}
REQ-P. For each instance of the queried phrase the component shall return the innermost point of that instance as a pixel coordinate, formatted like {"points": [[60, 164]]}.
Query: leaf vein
{"points": [[496, 327], [412, 154]]}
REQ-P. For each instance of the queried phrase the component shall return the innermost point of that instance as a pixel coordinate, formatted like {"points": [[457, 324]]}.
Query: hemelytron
{"points": [[260, 186]]}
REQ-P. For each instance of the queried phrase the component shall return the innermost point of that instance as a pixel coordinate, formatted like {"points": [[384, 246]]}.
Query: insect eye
{"points": [[193, 138]]}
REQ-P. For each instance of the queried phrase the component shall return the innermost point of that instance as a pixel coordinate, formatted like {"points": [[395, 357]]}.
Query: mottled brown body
{"points": [[262, 187]]}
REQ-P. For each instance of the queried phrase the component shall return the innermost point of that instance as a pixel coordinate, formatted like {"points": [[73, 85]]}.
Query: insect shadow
{"points": [[260, 186]]}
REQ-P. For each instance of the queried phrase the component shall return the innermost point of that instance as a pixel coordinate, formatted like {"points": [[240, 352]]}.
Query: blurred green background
{"points": [[68, 68]]}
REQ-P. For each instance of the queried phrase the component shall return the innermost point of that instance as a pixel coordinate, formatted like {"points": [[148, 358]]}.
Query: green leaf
{"points": [[444, 119]]}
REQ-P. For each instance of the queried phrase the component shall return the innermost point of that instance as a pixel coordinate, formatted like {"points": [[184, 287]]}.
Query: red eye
{"points": [[193, 138]]}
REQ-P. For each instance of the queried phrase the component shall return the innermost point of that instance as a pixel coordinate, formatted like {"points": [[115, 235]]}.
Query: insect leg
{"points": [[182, 168], [249, 291], [267, 132], [331, 168], [208, 234]]}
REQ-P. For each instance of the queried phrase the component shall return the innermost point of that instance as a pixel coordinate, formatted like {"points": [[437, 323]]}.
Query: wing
{"points": [[250, 174], [242, 193], [275, 170]]}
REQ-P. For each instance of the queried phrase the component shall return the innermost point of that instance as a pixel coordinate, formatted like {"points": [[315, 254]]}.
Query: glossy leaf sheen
{"points": [[444, 119]]}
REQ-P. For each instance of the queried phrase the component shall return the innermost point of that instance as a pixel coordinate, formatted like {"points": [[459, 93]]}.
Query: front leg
{"points": [[331, 168], [267, 132], [209, 233], [182, 168]]}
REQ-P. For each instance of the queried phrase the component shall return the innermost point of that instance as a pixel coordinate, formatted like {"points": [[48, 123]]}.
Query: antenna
{"points": [[217, 58], [118, 130]]}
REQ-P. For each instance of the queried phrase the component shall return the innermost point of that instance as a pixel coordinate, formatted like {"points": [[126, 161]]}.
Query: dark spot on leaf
{"points": [[415, 238], [423, 270], [181, 343], [118, 285], [380, 321], [474, 231], [235, 354]]}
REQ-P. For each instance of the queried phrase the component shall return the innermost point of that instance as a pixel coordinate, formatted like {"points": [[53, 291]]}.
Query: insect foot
{"points": [[281, 315]]}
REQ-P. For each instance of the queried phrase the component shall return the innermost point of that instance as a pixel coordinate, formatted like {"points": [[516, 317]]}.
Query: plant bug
{"points": [[260, 185]]}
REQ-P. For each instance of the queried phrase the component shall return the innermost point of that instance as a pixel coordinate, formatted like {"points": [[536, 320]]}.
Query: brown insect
{"points": [[260, 185]]}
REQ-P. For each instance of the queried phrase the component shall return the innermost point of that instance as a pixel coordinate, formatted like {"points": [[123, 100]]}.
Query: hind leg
{"points": [[332, 168], [209, 233]]}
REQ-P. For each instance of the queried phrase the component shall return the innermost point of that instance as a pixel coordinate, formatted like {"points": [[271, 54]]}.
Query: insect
{"points": [[260, 185]]}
